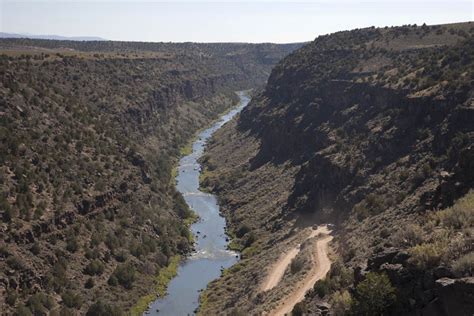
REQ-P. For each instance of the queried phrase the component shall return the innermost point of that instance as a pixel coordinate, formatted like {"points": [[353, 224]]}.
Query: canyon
{"points": [[346, 184]]}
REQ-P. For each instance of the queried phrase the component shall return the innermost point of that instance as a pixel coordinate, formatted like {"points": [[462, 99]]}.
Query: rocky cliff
{"points": [[371, 130], [89, 212]]}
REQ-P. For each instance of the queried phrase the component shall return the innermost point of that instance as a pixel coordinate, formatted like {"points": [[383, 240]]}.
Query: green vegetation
{"points": [[427, 255], [99, 309], [444, 238], [339, 277], [71, 299], [372, 204], [95, 267], [459, 216], [464, 266], [161, 282], [299, 309], [203, 301], [40, 303], [341, 302], [124, 274], [166, 274], [296, 264], [374, 296]]}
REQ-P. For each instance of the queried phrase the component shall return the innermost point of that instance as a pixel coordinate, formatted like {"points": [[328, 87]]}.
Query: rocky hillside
{"points": [[371, 130], [90, 217]]}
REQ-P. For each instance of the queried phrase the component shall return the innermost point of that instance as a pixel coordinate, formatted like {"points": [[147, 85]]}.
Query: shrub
{"points": [[375, 203], [237, 312], [374, 295], [112, 241], [11, 297], [464, 266], [299, 309], [125, 275], [71, 300], [296, 265], [340, 276], [244, 229], [385, 232], [8, 213], [341, 303], [121, 256], [411, 235], [89, 283], [251, 238], [91, 253], [95, 267], [35, 249], [14, 263], [113, 280], [460, 215], [22, 310], [361, 211], [58, 279], [103, 309], [427, 255], [348, 253], [71, 243], [40, 303], [321, 287]]}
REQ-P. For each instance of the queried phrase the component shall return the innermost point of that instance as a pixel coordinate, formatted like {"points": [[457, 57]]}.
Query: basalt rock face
{"points": [[88, 140], [375, 129]]}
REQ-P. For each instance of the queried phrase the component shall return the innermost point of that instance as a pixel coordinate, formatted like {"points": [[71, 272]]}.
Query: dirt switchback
{"points": [[320, 265]]}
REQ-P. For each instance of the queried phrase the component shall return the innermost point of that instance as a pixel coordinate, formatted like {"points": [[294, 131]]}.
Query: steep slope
{"points": [[88, 140], [371, 130]]}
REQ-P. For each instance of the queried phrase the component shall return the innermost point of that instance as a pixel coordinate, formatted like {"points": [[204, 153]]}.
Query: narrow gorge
{"points": [[134, 180]]}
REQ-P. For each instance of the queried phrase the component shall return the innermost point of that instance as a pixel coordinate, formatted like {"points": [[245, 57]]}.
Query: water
{"points": [[211, 254]]}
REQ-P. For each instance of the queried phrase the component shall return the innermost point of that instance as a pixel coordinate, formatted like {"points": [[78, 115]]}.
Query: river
{"points": [[211, 253]]}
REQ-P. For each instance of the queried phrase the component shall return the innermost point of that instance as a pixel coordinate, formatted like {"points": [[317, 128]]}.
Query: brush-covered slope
{"points": [[254, 60], [89, 214], [370, 129]]}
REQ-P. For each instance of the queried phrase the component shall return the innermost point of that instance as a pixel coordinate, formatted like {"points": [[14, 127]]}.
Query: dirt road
{"points": [[278, 270], [320, 267]]}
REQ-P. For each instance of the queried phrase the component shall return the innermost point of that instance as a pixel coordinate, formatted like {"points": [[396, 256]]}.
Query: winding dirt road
{"points": [[319, 269], [278, 270]]}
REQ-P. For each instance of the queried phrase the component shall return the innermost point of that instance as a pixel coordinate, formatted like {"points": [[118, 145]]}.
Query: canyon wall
{"points": [[370, 130], [89, 138]]}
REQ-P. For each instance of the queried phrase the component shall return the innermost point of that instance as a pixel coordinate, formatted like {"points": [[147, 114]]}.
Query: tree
{"points": [[374, 295]]}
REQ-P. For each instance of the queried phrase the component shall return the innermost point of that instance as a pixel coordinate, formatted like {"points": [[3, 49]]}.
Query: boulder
{"points": [[397, 274], [453, 297], [385, 256]]}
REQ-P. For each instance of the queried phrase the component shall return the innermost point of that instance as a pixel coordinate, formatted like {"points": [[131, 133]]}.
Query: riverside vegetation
{"points": [[371, 130], [90, 131]]}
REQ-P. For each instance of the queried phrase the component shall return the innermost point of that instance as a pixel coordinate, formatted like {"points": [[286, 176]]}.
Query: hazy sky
{"points": [[219, 21]]}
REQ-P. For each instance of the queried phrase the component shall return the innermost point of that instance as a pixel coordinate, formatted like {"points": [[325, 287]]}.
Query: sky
{"points": [[277, 21]]}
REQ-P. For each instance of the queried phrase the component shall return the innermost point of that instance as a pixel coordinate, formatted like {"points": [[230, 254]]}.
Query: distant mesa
{"points": [[52, 37]]}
